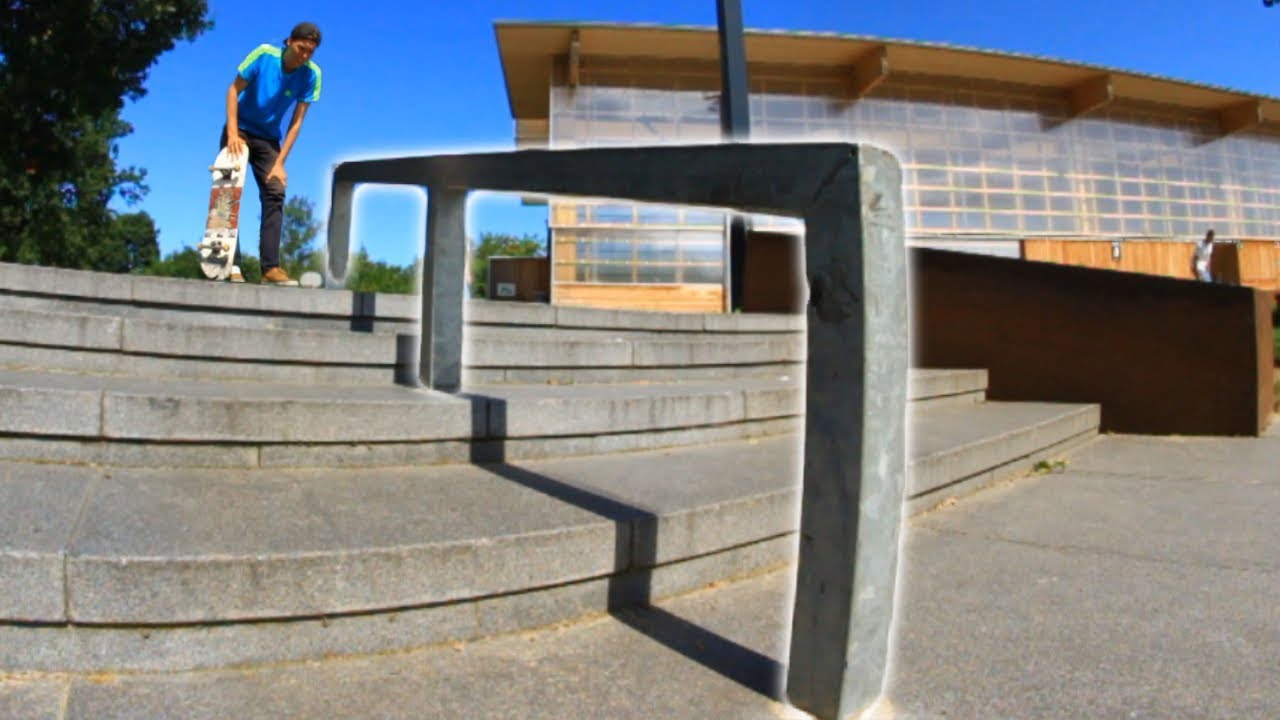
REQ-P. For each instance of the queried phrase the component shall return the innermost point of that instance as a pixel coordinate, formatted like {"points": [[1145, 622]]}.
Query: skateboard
{"points": [[222, 225]]}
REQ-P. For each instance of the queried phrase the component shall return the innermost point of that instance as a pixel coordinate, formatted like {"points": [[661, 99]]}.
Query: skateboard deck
{"points": [[222, 224]]}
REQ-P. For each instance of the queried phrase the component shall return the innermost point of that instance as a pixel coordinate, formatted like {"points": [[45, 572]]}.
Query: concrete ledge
{"points": [[953, 443], [275, 345], [49, 411], [933, 383], [476, 377], [87, 649], [222, 298], [152, 454], [476, 549], [279, 425], [186, 339], [129, 408], [163, 547], [38, 510], [99, 362], [283, 418], [1006, 471]]}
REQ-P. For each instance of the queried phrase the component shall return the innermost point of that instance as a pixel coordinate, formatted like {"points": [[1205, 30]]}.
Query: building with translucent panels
{"points": [[995, 148]]}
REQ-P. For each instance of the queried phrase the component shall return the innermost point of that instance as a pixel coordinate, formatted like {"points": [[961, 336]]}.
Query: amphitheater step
{"points": [[109, 549], [69, 417]]}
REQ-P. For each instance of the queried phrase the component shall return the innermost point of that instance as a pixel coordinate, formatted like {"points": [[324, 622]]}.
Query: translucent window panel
{"points": [[934, 220], [971, 221], [1035, 203], [782, 131], [1062, 203], [1178, 166], [1032, 184], [702, 274], [930, 156], [608, 273], [1059, 183], [967, 179], [1000, 181], [621, 214], [782, 107], [702, 252], [657, 215], [971, 200], [1005, 222], [1002, 201], [651, 250], [704, 217], [1064, 224], [935, 199], [931, 177], [657, 274], [606, 249], [1036, 223]]}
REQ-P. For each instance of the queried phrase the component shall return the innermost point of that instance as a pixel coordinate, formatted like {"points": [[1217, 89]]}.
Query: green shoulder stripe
{"points": [[315, 69], [259, 52]]}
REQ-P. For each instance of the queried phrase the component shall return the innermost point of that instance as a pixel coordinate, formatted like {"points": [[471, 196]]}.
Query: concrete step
{"points": [[269, 423], [956, 449], [124, 420], [194, 340], [372, 560], [80, 335], [42, 288], [114, 293]]}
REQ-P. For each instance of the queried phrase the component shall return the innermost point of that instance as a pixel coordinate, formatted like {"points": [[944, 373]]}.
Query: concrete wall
{"points": [[1162, 356]]}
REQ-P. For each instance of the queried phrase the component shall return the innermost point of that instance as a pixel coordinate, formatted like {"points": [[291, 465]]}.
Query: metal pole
{"points": [[735, 125]]}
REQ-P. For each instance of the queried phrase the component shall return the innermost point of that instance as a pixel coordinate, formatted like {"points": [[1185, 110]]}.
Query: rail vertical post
{"points": [[855, 439], [443, 285]]}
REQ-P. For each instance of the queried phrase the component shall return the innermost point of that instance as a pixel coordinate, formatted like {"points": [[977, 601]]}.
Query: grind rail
{"points": [[849, 197]]}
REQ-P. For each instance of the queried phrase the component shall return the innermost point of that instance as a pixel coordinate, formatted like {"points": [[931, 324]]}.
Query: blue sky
{"points": [[413, 77]]}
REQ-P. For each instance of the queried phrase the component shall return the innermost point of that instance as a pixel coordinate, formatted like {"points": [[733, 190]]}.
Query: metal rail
{"points": [[855, 416]]}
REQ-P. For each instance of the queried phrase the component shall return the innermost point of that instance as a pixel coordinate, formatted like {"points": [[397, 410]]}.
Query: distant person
{"points": [[1203, 257], [268, 82]]}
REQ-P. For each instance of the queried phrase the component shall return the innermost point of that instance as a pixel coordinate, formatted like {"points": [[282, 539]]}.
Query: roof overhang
{"points": [[531, 52]]}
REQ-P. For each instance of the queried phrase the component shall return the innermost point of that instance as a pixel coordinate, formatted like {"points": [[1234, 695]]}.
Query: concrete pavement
{"points": [[1140, 581]]}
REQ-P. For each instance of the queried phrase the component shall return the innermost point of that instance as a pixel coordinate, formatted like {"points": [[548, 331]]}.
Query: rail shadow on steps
{"points": [[635, 556]]}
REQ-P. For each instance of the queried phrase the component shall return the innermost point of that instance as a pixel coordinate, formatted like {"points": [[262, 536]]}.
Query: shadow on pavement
{"points": [[635, 555]]}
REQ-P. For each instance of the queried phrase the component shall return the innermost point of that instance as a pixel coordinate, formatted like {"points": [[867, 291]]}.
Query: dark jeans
{"points": [[262, 157]]}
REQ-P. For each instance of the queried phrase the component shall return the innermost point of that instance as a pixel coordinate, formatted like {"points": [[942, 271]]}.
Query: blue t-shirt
{"points": [[272, 91]]}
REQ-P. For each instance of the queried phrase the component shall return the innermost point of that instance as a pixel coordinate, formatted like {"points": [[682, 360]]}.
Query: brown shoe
{"points": [[277, 276]]}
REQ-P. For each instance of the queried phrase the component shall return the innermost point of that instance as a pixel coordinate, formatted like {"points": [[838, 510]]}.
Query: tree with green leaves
{"points": [[299, 230], [502, 245], [66, 68], [368, 275], [179, 263], [132, 246]]}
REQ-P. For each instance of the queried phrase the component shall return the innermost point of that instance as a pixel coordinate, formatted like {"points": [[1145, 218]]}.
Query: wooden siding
{"points": [[658, 298]]}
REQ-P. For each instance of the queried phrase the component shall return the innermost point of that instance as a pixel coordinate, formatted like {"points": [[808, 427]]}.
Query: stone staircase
{"points": [[199, 475]]}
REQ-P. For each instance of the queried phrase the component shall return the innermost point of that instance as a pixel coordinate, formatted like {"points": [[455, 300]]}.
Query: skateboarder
{"points": [[268, 82]]}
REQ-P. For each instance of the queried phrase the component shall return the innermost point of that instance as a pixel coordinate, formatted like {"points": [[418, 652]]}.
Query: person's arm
{"points": [[234, 142], [290, 137]]}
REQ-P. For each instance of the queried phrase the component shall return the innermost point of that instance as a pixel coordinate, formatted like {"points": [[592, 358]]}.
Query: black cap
{"points": [[306, 31]]}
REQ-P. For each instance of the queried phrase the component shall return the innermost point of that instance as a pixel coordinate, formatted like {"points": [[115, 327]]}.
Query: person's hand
{"points": [[236, 146], [278, 173]]}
